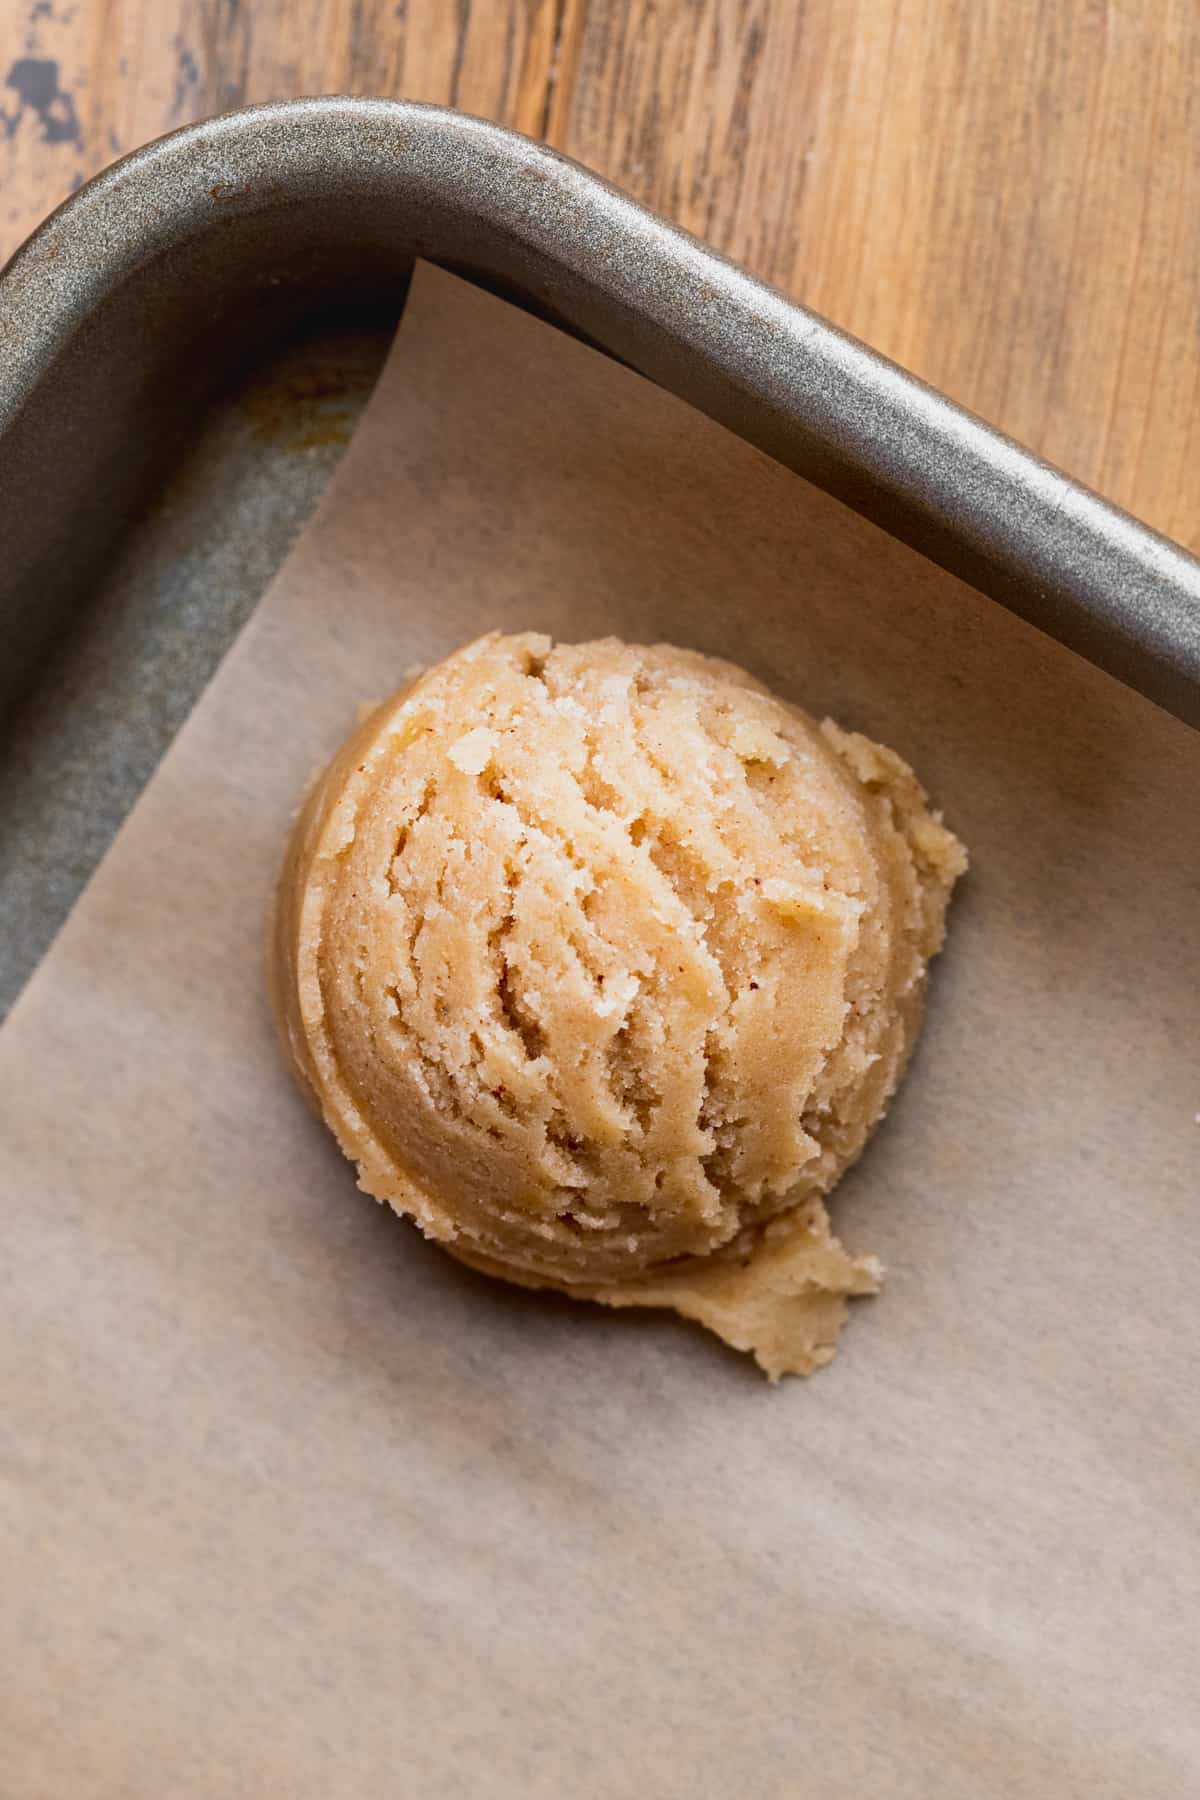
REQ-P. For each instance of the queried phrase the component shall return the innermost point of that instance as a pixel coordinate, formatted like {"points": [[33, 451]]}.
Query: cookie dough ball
{"points": [[601, 963]]}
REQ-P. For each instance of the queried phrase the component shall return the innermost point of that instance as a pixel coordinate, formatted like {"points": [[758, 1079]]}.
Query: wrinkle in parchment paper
{"points": [[292, 1504]]}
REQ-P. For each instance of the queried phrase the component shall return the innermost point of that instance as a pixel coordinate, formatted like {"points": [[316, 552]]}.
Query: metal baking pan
{"points": [[187, 340]]}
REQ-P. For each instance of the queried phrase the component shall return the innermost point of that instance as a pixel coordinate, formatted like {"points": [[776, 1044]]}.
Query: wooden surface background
{"points": [[1004, 195]]}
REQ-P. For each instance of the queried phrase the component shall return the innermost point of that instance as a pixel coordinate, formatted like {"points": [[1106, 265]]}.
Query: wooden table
{"points": [[1002, 194]]}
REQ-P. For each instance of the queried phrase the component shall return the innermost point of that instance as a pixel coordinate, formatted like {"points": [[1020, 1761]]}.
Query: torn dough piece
{"points": [[601, 963]]}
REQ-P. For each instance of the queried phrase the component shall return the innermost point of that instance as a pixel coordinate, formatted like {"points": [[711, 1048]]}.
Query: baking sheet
{"points": [[294, 1504], [190, 570]]}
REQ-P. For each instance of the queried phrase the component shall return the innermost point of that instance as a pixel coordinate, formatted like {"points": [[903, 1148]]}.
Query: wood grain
{"points": [[1002, 194], [87, 80]]}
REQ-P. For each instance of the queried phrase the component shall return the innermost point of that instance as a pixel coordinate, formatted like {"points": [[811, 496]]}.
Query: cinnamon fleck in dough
{"points": [[601, 963]]}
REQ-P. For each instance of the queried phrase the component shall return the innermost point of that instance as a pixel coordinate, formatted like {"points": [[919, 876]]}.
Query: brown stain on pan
{"points": [[311, 399]]}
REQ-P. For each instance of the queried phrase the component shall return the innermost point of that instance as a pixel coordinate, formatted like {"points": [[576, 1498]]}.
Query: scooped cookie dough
{"points": [[601, 963]]}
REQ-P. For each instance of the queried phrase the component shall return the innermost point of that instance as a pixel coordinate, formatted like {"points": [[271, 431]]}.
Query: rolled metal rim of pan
{"points": [[843, 416]]}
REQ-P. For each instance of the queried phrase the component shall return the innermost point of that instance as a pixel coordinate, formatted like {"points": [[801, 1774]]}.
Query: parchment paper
{"points": [[294, 1505]]}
